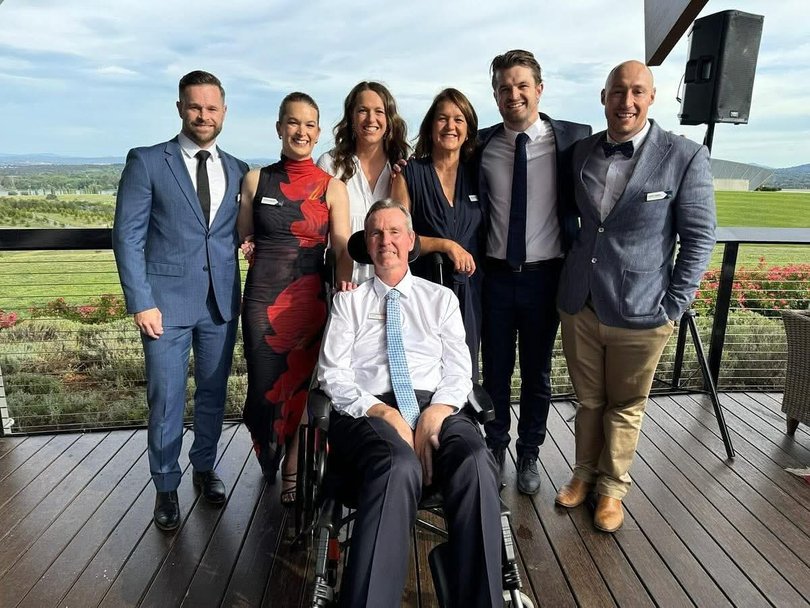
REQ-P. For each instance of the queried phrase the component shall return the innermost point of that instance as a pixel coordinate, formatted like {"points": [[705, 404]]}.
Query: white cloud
{"points": [[116, 71], [97, 56]]}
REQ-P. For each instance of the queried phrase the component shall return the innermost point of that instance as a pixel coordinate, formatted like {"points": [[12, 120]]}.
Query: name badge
{"points": [[376, 316], [474, 198], [270, 201], [658, 196]]}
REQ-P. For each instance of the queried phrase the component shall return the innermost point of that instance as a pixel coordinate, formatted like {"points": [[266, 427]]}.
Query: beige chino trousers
{"points": [[612, 371]]}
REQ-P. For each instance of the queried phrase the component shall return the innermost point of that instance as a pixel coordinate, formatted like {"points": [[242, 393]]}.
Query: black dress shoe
{"points": [[167, 510], [211, 486], [528, 477]]}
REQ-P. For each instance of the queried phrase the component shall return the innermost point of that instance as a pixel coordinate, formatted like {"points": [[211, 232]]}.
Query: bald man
{"points": [[639, 190]]}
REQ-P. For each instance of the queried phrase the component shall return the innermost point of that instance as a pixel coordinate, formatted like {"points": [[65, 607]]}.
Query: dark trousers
{"points": [[520, 307], [389, 474]]}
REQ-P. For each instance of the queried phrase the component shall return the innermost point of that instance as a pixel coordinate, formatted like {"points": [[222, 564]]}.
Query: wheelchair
{"points": [[324, 503]]}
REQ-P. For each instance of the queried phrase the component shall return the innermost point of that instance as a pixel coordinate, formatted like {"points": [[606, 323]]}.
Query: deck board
{"points": [[700, 530]]}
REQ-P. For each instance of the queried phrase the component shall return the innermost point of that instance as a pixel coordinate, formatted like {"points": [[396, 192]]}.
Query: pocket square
{"points": [[269, 201], [650, 197]]}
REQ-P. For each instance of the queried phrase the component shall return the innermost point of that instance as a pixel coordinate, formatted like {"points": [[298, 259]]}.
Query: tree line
{"points": [[60, 179]]}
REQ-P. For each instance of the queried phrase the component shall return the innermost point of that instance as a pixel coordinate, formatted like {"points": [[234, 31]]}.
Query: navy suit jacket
{"points": [[166, 254], [627, 264], [566, 134]]}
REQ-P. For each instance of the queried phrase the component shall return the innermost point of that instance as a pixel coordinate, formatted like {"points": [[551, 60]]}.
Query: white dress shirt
{"points": [[216, 172], [606, 176], [353, 365], [361, 197], [542, 225]]}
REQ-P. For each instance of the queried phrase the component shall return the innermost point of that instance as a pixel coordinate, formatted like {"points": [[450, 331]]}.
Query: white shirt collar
{"points": [[535, 131], [403, 287], [190, 148]]}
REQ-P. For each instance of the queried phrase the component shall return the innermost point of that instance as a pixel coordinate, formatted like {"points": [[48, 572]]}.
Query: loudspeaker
{"points": [[719, 75]]}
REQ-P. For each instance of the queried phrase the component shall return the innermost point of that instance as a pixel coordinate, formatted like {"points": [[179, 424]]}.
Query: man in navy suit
{"points": [[529, 227], [638, 190], [175, 246]]}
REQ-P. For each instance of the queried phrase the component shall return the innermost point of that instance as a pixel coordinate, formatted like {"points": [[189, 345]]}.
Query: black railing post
{"points": [[721, 308]]}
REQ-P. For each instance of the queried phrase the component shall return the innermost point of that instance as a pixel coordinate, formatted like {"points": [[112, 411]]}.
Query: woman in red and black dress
{"points": [[290, 210]]}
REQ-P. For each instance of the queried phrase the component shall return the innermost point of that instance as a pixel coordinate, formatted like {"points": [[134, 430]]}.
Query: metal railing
{"points": [[70, 358]]}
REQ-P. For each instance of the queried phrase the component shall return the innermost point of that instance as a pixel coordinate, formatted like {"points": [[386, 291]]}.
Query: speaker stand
{"points": [[688, 324]]}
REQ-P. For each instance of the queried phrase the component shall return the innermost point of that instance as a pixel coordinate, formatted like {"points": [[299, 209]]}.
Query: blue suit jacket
{"points": [[627, 263], [166, 255], [566, 134]]}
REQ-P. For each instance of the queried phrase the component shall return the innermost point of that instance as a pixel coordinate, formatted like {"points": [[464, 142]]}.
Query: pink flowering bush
{"points": [[763, 289], [8, 319]]}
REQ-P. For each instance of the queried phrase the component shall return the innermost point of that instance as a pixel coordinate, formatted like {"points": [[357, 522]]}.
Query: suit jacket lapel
{"points": [[582, 152], [177, 166], [655, 148]]}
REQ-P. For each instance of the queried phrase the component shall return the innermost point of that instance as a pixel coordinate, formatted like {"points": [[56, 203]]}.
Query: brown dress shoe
{"points": [[573, 493], [609, 514]]}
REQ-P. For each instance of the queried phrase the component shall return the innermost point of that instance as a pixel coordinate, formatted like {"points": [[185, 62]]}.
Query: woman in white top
{"points": [[369, 138]]}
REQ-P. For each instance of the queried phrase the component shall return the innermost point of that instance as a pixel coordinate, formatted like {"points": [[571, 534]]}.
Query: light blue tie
{"points": [[397, 363]]}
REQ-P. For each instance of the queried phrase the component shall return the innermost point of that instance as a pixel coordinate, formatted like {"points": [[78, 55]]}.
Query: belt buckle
{"points": [[519, 268]]}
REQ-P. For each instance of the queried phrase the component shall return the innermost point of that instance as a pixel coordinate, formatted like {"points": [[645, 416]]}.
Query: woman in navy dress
{"points": [[289, 211], [440, 187]]}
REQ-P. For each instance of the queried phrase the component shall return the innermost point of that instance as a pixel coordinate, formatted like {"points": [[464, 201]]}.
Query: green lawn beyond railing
{"points": [[70, 358]]}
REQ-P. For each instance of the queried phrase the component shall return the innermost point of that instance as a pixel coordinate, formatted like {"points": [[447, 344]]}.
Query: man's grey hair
{"points": [[389, 203]]}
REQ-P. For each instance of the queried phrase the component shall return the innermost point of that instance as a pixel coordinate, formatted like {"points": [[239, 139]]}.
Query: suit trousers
{"points": [[519, 309], [167, 359], [389, 476], [612, 371]]}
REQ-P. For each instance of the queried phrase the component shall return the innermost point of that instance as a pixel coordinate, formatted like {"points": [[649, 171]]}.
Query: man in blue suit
{"points": [[529, 227], [638, 190], [175, 246]]}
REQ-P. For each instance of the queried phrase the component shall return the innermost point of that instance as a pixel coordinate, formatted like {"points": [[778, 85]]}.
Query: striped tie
{"points": [[397, 363]]}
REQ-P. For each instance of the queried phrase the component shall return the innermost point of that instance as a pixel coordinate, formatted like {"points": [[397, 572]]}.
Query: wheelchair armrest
{"points": [[319, 407], [480, 404]]}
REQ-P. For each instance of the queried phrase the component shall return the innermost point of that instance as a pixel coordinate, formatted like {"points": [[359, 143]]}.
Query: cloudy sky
{"points": [[96, 77]]}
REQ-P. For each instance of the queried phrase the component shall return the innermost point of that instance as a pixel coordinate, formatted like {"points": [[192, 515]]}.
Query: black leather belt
{"points": [[504, 266]]}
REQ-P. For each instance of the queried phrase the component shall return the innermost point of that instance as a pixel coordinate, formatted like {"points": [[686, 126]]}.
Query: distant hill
{"points": [[24, 160], [792, 177]]}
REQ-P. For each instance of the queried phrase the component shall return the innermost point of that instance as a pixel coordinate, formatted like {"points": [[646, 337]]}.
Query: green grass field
{"points": [[33, 278], [764, 209]]}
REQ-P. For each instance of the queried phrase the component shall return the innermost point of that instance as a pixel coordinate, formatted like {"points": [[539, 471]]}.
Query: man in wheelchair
{"points": [[397, 369]]}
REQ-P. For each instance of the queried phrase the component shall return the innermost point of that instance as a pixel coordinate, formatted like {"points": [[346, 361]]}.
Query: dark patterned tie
{"points": [[203, 188], [397, 363], [516, 238], [625, 148]]}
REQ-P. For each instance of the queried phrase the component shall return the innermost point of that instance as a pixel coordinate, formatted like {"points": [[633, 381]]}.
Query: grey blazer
{"points": [[628, 263]]}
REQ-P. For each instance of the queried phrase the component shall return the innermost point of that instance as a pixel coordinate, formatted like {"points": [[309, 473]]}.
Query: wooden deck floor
{"points": [[75, 522]]}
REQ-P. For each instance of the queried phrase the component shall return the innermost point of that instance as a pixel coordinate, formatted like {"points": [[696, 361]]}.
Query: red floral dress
{"points": [[284, 308]]}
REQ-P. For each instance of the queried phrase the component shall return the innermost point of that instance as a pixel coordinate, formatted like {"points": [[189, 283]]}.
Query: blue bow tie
{"points": [[625, 148]]}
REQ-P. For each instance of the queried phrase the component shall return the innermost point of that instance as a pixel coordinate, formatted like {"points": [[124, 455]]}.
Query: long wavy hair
{"points": [[424, 143], [395, 140]]}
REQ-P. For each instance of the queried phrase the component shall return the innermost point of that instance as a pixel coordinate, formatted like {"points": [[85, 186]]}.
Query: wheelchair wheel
{"points": [[311, 469]]}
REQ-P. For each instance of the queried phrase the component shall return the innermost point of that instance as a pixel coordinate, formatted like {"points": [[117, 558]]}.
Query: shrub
{"points": [[764, 289], [8, 319], [103, 309]]}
